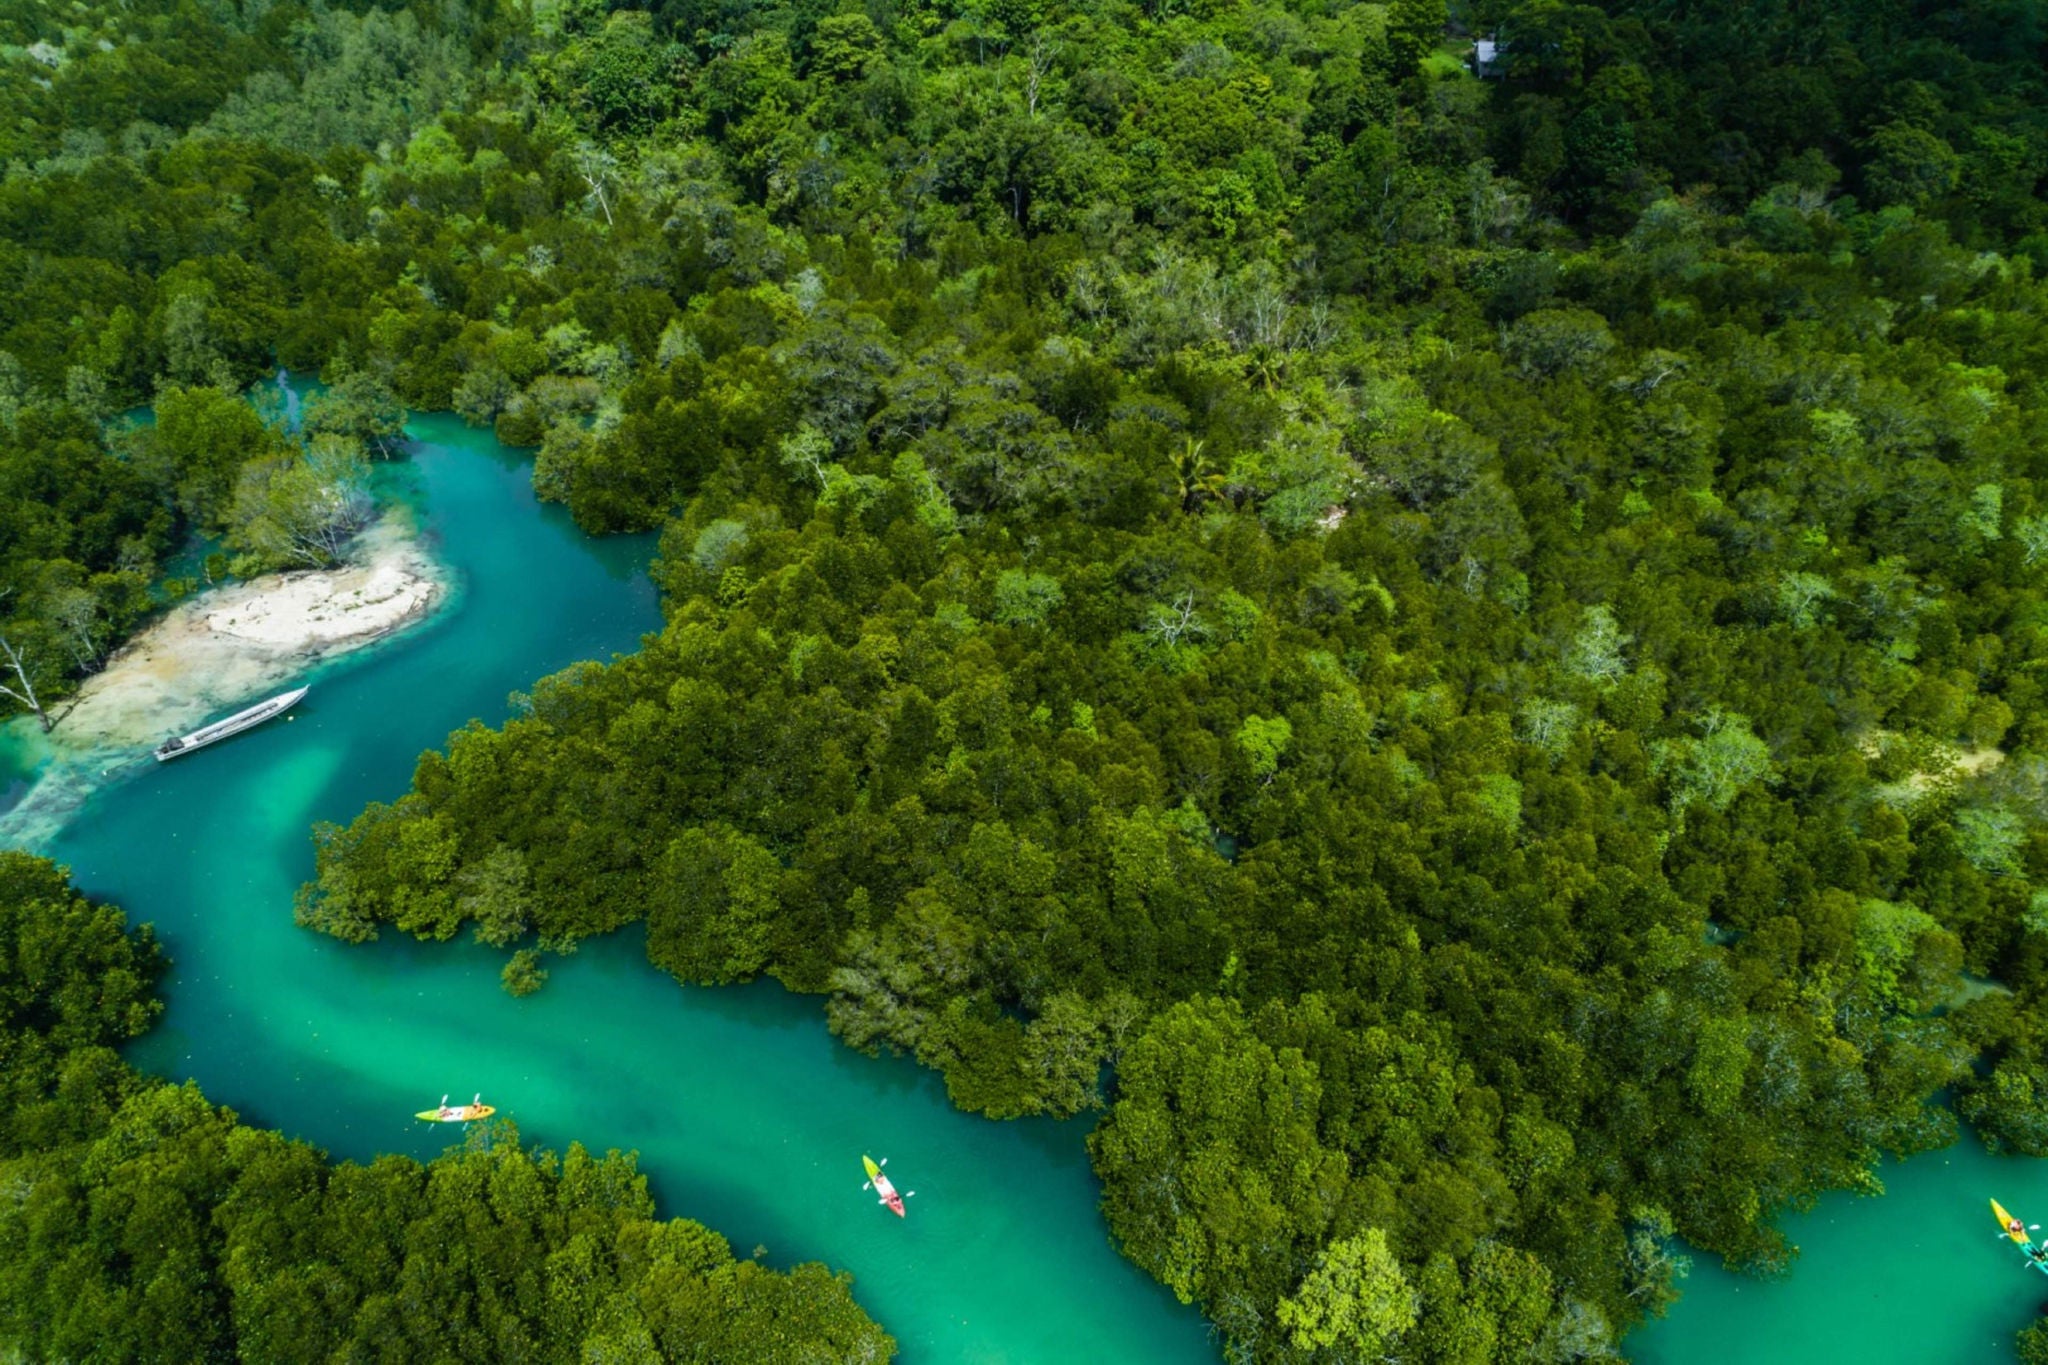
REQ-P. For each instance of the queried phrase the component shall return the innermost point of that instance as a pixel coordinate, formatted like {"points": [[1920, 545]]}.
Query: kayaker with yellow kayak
{"points": [[2016, 1229]]}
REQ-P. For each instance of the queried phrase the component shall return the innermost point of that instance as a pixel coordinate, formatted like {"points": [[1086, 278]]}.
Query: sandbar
{"points": [[222, 649]]}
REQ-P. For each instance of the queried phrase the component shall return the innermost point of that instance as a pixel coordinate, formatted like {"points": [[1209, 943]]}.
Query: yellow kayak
{"points": [[2009, 1225], [458, 1113]]}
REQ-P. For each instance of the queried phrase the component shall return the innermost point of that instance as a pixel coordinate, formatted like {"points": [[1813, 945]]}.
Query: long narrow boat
{"points": [[233, 725]]}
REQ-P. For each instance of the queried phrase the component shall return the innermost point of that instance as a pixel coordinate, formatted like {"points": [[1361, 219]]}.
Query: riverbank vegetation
{"points": [[78, 575], [142, 262], [143, 1223], [1462, 656]]}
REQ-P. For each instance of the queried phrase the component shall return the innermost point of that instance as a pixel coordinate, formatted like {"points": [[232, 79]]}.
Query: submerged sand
{"points": [[221, 650]]}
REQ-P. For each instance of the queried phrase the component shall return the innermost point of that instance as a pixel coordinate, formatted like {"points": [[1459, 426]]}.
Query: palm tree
{"points": [[1194, 477], [1265, 365]]}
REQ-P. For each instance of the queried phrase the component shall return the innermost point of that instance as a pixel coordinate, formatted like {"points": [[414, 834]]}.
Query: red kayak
{"points": [[879, 1183]]}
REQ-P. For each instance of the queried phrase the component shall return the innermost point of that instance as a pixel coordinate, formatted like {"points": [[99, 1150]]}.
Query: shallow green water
{"points": [[1920, 1277], [747, 1115]]}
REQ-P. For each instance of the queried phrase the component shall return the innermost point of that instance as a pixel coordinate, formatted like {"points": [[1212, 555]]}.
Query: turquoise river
{"points": [[747, 1115]]}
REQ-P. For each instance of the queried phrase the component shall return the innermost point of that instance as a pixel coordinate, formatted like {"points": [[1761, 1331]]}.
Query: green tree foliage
{"points": [[619, 76], [1938, 122], [1499, 617], [359, 79], [185, 218], [301, 509], [359, 405], [722, 889], [144, 1223], [201, 439], [74, 985], [523, 974], [1560, 710], [1715, 768], [1414, 28], [1356, 1298], [1264, 739]]}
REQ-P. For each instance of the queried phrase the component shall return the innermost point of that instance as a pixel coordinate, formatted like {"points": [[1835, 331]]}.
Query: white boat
{"points": [[233, 725]]}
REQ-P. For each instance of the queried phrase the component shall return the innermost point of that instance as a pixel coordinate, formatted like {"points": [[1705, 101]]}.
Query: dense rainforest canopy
{"points": [[1462, 655]]}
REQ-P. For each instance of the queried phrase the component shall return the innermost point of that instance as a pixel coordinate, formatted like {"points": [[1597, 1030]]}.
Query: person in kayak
{"points": [[2012, 1225], [2039, 1251]]}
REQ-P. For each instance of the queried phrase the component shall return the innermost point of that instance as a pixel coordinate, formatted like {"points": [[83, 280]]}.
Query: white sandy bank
{"points": [[220, 650], [230, 645]]}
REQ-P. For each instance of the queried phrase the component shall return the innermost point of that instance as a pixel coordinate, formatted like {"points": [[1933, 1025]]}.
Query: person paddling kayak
{"points": [[879, 1183], [457, 1113], [2017, 1229]]}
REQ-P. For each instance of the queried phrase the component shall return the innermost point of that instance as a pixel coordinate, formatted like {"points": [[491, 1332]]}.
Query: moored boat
{"points": [[233, 725]]}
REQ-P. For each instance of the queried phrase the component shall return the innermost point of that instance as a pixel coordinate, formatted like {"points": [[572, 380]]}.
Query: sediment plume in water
{"points": [[212, 654]]}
